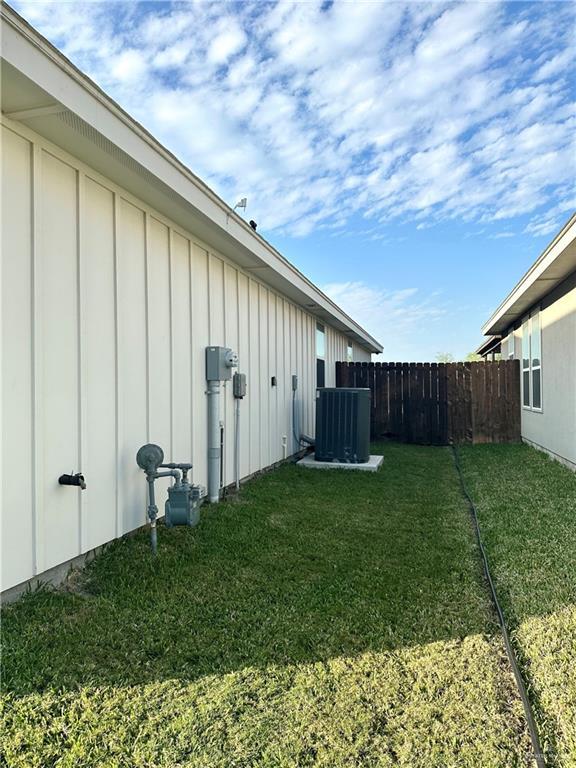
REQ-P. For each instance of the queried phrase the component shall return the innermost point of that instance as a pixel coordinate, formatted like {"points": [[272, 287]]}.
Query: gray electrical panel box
{"points": [[342, 425], [219, 363], [239, 385]]}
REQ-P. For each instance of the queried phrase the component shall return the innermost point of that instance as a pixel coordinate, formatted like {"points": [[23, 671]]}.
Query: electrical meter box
{"points": [[239, 385], [219, 363]]}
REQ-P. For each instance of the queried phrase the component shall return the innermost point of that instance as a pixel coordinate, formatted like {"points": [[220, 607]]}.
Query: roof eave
{"points": [[555, 263]]}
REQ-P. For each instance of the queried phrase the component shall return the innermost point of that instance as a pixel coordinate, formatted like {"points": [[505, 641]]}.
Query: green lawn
{"points": [[527, 510], [327, 619]]}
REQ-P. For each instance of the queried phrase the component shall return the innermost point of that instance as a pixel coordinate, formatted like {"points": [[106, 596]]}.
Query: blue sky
{"points": [[413, 159]]}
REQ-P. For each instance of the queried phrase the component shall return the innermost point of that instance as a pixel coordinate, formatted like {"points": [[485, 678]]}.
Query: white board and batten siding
{"points": [[107, 309]]}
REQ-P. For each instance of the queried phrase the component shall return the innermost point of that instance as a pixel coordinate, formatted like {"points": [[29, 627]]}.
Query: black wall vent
{"points": [[343, 425]]}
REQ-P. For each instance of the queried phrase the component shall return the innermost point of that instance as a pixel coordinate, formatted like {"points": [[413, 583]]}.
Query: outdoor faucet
{"points": [[77, 480]]}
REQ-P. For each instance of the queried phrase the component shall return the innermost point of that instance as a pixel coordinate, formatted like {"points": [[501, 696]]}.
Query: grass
{"points": [[326, 619], [527, 510]]}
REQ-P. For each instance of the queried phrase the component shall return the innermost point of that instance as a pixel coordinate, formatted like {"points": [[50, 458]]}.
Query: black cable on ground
{"points": [[538, 754]]}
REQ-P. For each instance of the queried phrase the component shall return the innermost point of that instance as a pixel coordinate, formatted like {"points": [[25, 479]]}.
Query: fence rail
{"points": [[440, 403]]}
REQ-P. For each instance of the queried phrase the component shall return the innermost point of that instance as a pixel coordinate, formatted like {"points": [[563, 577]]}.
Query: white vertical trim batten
{"points": [[117, 388], [171, 327], [82, 374], [147, 314], [38, 371]]}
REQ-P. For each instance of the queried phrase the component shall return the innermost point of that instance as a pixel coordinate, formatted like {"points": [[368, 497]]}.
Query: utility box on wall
{"points": [[343, 425], [219, 363]]}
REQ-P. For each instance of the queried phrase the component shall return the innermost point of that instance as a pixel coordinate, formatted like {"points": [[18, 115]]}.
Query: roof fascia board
{"points": [[42, 63], [536, 272]]}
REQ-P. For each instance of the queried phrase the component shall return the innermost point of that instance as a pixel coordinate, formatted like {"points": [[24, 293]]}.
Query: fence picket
{"points": [[442, 403]]}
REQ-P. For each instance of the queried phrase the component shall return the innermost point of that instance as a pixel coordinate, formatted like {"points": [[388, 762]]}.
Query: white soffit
{"points": [[554, 265], [41, 89]]}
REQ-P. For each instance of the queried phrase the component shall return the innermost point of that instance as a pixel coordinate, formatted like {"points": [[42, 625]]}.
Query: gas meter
{"points": [[182, 506]]}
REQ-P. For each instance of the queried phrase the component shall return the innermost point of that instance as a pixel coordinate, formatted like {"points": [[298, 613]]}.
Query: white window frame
{"points": [[511, 348], [528, 334], [349, 352]]}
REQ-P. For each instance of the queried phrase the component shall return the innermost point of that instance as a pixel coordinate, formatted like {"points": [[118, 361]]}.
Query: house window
{"points": [[511, 351], [532, 362], [349, 353], [526, 363], [320, 355], [536, 362]]}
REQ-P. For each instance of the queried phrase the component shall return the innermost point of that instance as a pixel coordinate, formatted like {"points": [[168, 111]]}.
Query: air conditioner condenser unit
{"points": [[343, 425]]}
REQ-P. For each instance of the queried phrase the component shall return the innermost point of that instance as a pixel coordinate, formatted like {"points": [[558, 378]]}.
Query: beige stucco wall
{"points": [[554, 428], [107, 308]]}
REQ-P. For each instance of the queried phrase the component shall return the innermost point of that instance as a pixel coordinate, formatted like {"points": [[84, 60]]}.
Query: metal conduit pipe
{"points": [[221, 468], [239, 392], [152, 508], [219, 364], [213, 441], [237, 443], [152, 515]]}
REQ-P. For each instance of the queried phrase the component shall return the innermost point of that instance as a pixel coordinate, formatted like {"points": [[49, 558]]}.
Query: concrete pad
{"points": [[369, 466]]}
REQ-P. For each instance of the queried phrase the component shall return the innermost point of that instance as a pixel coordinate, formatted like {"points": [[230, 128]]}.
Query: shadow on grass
{"points": [[306, 566]]}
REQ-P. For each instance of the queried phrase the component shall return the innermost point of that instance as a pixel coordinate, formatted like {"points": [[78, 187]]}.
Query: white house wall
{"points": [[107, 309], [554, 428], [360, 355]]}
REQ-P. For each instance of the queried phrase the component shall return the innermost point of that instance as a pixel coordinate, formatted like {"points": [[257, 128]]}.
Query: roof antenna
{"points": [[241, 204]]}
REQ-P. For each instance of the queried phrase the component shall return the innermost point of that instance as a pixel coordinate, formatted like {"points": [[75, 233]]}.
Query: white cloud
{"points": [[397, 316], [173, 55], [418, 112], [230, 41], [128, 66], [561, 64], [551, 221]]}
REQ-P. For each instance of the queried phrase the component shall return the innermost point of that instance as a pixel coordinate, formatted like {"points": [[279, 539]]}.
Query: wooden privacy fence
{"points": [[440, 403]]}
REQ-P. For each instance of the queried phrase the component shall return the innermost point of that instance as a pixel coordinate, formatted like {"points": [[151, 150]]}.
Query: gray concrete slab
{"points": [[370, 466]]}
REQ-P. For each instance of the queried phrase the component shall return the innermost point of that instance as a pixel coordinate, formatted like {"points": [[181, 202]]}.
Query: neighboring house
{"points": [[536, 324], [491, 349], [119, 267]]}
